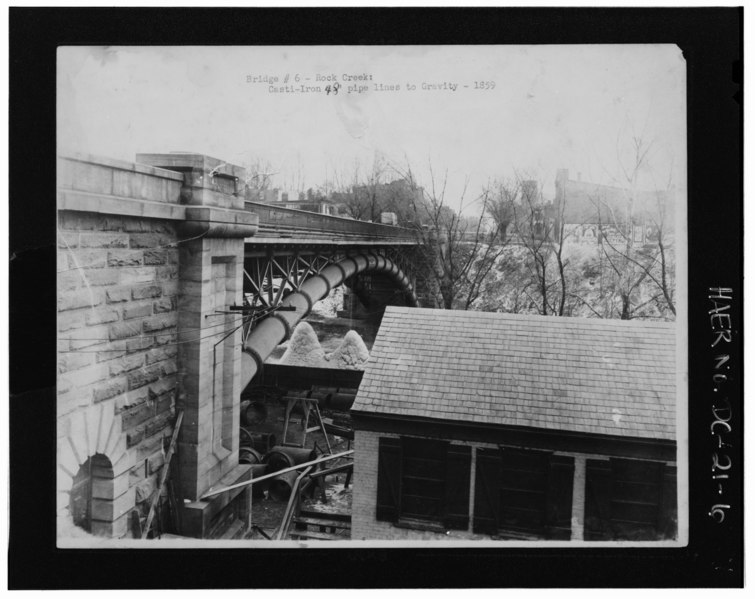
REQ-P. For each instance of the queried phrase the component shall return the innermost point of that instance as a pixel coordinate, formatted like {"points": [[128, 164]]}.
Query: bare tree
{"points": [[458, 253], [360, 198], [294, 178], [631, 263], [665, 256], [509, 287], [259, 178], [538, 227]]}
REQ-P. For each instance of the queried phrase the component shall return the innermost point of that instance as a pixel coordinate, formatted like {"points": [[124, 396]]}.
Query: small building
{"points": [[475, 425]]}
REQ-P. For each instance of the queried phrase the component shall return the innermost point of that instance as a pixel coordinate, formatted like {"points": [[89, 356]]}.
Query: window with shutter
{"points": [[423, 477], [598, 525], [523, 494], [629, 500], [486, 504], [635, 498], [389, 479], [423, 483], [559, 500], [668, 519], [458, 469]]}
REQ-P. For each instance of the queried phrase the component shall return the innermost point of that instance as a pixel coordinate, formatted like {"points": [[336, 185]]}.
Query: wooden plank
{"points": [[322, 522], [234, 531], [320, 536], [163, 474], [331, 515]]}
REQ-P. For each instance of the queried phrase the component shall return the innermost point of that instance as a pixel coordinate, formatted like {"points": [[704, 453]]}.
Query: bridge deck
{"points": [[289, 226]]}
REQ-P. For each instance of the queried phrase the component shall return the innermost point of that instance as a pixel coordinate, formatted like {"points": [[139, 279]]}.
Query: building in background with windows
{"points": [[475, 425], [591, 211], [310, 201]]}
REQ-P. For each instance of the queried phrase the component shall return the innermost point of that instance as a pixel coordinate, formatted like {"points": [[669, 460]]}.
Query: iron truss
{"points": [[271, 275]]}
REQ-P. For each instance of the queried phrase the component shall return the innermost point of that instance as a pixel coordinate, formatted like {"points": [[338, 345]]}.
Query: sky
{"points": [[525, 109]]}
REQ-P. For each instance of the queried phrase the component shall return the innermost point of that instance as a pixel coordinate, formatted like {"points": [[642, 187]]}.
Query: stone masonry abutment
{"points": [[147, 256]]}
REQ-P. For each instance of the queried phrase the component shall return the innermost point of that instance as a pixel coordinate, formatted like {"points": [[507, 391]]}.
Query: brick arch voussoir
{"points": [[96, 430]]}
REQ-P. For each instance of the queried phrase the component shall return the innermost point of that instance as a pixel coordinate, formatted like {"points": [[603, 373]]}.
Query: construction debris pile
{"points": [[304, 349]]}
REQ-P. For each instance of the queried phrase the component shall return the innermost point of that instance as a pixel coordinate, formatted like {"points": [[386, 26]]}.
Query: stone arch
{"points": [[278, 327], [94, 436]]}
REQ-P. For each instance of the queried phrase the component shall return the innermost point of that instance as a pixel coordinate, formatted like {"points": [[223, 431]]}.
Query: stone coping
{"points": [[122, 165], [84, 201], [192, 160]]}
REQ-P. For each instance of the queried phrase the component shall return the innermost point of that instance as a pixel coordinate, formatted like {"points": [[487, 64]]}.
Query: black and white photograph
{"points": [[355, 298], [424, 294]]}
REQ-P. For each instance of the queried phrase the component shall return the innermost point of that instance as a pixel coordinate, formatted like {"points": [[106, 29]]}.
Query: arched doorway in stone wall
{"points": [[90, 484], [93, 474]]}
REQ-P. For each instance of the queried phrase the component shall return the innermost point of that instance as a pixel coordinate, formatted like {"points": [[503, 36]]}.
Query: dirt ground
{"points": [[266, 512]]}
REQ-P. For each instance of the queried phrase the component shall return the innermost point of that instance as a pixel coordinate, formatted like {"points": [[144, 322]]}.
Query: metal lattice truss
{"points": [[271, 276], [268, 279]]}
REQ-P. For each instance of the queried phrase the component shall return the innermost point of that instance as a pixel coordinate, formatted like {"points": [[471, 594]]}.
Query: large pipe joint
{"points": [[348, 266], [333, 274], [290, 319], [361, 263], [301, 301], [316, 287]]}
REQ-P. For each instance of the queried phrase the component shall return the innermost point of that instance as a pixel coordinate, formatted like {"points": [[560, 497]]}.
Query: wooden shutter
{"points": [[559, 497], [458, 467], [636, 498], [667, 525], [597, 500], [487, 492], [389, 479]]}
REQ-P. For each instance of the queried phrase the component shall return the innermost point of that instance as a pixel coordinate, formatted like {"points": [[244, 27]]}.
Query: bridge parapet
{"points": [[294, 225], [208, 181]]}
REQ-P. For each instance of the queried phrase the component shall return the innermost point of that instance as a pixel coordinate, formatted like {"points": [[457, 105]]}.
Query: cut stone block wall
{"points": [[117, 333], [133, 240], [210, 282]]}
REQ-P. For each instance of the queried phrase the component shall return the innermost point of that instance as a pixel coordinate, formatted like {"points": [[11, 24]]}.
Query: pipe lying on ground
{"points": [[326, 458], [276, 328]]}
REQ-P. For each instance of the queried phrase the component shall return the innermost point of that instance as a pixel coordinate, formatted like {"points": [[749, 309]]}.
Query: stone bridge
{"points": [[172, 290]]}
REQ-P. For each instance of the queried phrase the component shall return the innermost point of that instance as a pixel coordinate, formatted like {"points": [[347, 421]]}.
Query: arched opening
{"points": [[91, 486]]}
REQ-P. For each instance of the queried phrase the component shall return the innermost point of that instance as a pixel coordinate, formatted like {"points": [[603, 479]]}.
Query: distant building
{"points": [[309, 202], [590, 207], [474, 425], [399, 197]]}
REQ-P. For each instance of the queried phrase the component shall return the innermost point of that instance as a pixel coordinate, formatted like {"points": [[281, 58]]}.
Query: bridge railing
{"points": [[276, 221]]}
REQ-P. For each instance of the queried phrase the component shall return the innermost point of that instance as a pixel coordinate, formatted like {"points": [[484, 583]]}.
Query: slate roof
{"points": [[585, 375]]}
